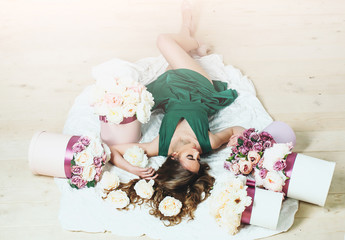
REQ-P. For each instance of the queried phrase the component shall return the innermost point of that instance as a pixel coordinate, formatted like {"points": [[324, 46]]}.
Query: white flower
{"points": [[143, 112], [274, 154], [84, 158], [144, 189], [229, 219], [129, 110], [240, 201], [95, 147], [109, 181], [131, 97], [170, 206], [274, 182], [136, 156], [89, 173], [147, 98], [258, 180], [118, 199], [115, 115], [107, 151]]}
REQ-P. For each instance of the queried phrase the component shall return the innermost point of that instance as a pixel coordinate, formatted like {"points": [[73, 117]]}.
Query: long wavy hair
{"points": [[175, 181]]}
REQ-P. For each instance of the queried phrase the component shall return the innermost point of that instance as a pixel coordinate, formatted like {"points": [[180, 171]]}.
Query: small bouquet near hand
{"points": [[89, 157], [269, 173], [120, 99], [228, 201], [247, 151]]}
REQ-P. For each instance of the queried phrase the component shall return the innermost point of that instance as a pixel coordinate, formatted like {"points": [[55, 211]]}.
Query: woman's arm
{"points": [[222, 137]]}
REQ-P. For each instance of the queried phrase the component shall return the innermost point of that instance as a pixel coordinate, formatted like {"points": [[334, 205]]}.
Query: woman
{"points": [[188, 96]]}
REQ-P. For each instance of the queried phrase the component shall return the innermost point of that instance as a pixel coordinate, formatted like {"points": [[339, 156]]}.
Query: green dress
{"points": [[184, 93]]}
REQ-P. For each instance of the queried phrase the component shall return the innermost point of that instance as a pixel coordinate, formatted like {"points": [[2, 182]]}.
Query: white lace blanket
{"points": [[84, 210]]}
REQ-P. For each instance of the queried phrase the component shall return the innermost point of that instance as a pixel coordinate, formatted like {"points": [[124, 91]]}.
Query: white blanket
{"points": [[84, 210]]}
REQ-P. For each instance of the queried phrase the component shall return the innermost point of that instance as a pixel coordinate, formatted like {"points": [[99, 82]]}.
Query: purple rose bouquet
{"points": [[247, 151], [89, 157]]}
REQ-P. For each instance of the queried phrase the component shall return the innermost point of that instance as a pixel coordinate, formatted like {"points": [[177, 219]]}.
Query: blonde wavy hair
{"points": [[175, 181]]}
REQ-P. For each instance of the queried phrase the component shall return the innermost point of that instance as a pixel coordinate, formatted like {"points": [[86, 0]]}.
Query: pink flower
{"points": [[235, 168], [253, 157], [98, 170], [267, 144], [114, 100], [260, 163], [82, 183], [97, 161], [248, 144], [247, 132], [244, 150], [104, 158], [97, 178], [245, 166], [265, 136], [262, 173], [234, 150], [77, 170], [85, 140], [279, 165], [254, 136], [257, 147], [75, 180], [78, 147], [227, 165]]}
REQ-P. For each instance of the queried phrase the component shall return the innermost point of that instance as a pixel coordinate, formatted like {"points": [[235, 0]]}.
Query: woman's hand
{"points": [[145, 173]]}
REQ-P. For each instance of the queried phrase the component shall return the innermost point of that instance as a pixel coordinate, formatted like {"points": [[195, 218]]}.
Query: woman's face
{"points": [[189, 158]]}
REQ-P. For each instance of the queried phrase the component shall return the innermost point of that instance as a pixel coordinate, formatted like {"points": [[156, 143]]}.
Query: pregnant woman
{"points": [[188, 97]]}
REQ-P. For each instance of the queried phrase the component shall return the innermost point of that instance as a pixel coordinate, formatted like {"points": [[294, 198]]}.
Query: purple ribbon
{"points": [[69, 155], [125, 120], [247, 213], [290, 161]]}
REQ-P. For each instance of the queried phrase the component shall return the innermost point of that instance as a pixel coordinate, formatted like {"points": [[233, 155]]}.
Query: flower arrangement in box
{"points": [[89, 157], [121, 99], [269, 173], [228, 201], [247, 151]]}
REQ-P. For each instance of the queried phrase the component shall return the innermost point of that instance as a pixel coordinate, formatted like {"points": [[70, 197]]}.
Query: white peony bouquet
{"points": [[136, 156], [228, 201], [121, 98]]}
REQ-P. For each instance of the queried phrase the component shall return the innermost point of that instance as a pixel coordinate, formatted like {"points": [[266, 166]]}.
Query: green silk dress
{"points": [[184, 93]]}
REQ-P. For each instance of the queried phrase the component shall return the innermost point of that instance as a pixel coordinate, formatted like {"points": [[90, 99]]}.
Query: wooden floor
{"points": [[294, 51]]}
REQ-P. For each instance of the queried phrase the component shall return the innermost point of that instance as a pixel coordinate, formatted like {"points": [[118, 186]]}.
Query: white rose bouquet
{"points": [[228, 201], [120, 99], [136, 156], [89, 157]]}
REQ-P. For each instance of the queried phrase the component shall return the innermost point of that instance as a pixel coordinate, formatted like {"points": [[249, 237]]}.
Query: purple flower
{"points": [[77, 170], [265, 136], [263, 172], [97, 178], [97, 161], [257, 147], [78, 147], [75, 180], [279, 165], [244, 150], [98, 171], [248, 144], [235, 150], [227, 165], [267, 144], [82, 183], [85, 140], [254, 136], [247, 132]]}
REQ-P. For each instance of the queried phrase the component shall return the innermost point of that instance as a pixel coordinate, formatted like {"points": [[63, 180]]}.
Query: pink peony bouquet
{"points": [[269, 173], [89, 157], [247, 151]]}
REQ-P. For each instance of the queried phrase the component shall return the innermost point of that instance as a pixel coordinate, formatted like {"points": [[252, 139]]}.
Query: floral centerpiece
{"points": [[228, 201], [89, 157], [121, 99], [247, 151]]}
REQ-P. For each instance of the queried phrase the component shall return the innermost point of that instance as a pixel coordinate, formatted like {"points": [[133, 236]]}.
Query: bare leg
{"points": [[175, 47]]}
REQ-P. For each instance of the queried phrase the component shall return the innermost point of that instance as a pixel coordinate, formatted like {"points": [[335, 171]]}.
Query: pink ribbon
{"points": [[290, 161], [125, 120], [247, 213], [69, 155]]}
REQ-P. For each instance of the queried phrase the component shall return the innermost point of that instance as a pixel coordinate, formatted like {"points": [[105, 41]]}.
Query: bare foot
{"points": [[187, 17]]}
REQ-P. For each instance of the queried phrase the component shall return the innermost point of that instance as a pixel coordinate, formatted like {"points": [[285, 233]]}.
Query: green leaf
{"points": [[240, 141], [91, 184], [73, 162], [73, 186]]}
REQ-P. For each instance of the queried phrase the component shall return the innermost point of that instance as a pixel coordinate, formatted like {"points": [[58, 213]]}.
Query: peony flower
{"points": [[253, 157], [248, 144], [109, 181], [147, 98], [239, 201], [96, 147], [129, 110], [257, 147], [136, 156], [227, 165], [118, 199], [229, 219], [144, 189], [274, 154], [75, 179], [97, 161], [78, 147], [113, 100], [88, 173], [267, 144], [245, 166], [115, 115], [247, 132], [143, 112], [254, 136], [265, 136], [263, 173], [85, 140], [274, 182], [279, 165], [235, 168], [258, 180], [77, 170], [170, 206], [131, 97], [84, 159]]}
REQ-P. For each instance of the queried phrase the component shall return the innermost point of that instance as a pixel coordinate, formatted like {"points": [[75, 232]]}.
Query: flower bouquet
{"points": [[89, 157], [122, 105], [247, 151]]}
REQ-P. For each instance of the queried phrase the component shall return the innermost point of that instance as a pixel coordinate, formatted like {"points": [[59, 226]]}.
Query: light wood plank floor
{"points": [[294, 51]]}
